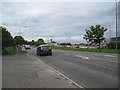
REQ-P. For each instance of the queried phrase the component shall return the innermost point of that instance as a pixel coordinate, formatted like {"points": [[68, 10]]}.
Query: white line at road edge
{"points": [[59, 73]]}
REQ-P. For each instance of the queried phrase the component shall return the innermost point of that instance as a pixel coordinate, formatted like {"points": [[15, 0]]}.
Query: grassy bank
{"points": [[9, 50], [21, 51], [89, 50]]}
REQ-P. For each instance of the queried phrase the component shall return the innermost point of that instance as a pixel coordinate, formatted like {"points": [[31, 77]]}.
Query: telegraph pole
{"points": [[110, 35]]}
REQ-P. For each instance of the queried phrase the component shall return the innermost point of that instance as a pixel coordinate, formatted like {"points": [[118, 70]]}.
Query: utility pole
{"points": [[110, 35]]}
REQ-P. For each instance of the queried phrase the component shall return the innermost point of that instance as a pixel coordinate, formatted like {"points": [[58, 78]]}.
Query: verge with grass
{"points": [[21, 51], [89, 50], [9, 50]]}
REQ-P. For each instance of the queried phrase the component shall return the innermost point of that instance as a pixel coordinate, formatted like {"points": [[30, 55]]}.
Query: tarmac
{"points": [[28, 71]]}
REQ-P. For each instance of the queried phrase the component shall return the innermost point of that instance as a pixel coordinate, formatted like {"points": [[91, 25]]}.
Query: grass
{"points": [[9, 50], [89, 50], [21, 51]]}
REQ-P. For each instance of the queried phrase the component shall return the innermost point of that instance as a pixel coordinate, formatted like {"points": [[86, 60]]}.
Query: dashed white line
{"points": [[107, 55], [82, 57], [110, 56]]}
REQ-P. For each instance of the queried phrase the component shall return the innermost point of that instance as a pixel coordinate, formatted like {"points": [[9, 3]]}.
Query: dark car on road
{"points": [[44, 50]]}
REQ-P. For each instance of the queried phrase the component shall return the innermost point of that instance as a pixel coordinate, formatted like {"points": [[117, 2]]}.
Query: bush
{"points": [[9, 50]]}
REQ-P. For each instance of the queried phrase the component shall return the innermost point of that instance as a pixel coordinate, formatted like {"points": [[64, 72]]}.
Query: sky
{"points": [[62, 21]]}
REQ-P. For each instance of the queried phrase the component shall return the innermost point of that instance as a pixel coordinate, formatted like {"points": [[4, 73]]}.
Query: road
{"points": [[88, 69]]}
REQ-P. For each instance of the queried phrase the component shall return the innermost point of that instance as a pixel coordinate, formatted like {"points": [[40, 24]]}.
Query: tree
{"points": [[39, 42], [19, 40], [65, 43], [33, 42], [7, 39], [95, 35]]}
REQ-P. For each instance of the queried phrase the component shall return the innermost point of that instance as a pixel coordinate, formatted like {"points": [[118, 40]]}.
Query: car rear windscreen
{"points": [[45, 47]]}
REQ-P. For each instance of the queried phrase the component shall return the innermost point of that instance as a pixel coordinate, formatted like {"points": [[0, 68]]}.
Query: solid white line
{"points": [[71, 81]]}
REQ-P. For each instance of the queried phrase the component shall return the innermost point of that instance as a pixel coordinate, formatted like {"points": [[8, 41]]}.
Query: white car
{"points": [[27, 46]]}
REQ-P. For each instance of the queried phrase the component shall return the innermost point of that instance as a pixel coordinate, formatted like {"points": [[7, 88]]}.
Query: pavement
{"points": [[28, 71]]}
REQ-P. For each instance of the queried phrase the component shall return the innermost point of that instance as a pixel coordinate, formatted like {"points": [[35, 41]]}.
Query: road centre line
{"points": [[82, 57], [110, 56], [107, 55]]}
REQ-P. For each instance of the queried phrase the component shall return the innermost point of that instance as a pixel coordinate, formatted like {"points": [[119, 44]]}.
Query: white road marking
{"points": [[110, 56], [70, 81], [82, 57], [105, 55], [98, 55]]}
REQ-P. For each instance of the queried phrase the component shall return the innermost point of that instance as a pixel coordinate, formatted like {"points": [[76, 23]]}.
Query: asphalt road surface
{"points": [[88, 69]]}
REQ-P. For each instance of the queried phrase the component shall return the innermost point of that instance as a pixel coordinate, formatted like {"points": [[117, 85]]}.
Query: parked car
{"points": [[27, 46], [44, 50]]}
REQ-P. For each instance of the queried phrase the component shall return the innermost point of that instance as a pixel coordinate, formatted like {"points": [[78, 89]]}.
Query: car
{"points": [[44, 50], [27, 46]]}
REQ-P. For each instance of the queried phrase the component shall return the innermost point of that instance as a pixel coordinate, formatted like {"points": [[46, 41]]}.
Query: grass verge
{"points": [[9, 50], [21, 51], [89, 50]]}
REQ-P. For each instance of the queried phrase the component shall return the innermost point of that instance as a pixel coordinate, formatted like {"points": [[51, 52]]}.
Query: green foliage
{"points": [[65, 43], [21, 51], [7, 39], [19, 40], [39, 42], [88, 50], [95, 35], [33, 42], [9, 50], [53, 42]]}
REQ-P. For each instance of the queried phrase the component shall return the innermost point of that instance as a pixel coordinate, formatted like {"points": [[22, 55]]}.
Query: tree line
{"points": [[94, 35], [8, 40]]}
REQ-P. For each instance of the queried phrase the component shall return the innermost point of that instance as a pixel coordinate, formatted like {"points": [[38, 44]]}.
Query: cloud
{"points": [[58, 1], [50, 19]]}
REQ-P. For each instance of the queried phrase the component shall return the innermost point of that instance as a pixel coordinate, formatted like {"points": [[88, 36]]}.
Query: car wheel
{"points": [[40, 54], [50, 54], [37, 54]]}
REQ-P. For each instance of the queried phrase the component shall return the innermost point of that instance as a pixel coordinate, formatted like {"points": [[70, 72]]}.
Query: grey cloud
{"points": [[56, 19]]}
